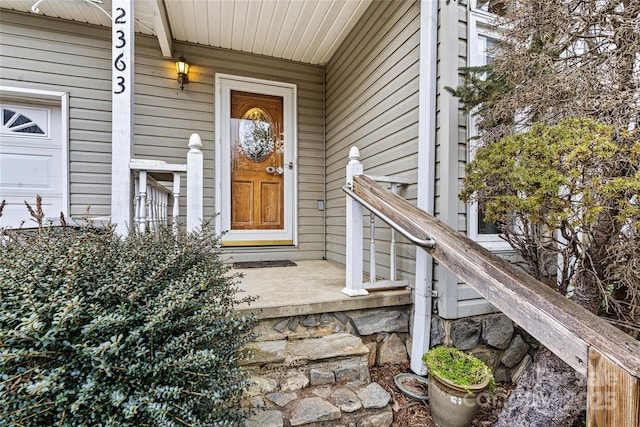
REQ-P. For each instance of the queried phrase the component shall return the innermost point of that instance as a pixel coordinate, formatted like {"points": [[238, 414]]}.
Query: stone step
{"points": [[313, 370], [341, 404], [265, 354]]}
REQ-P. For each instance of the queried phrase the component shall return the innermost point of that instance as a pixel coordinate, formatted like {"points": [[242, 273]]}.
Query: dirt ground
{"points": [[415, 413]]}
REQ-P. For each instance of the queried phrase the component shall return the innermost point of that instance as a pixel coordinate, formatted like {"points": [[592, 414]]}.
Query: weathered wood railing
{"points": [[608, 357], [157, 186]]}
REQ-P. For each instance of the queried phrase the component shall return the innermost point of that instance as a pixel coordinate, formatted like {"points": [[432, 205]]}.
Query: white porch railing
{"points": [[394, 182], [157, 186], [355, 284], [152, 194]]}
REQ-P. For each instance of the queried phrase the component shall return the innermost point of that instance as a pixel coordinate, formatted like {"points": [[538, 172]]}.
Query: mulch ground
{"points": [[415, 413]]}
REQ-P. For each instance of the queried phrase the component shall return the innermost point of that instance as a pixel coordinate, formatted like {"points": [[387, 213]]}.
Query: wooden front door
{"points": [[257, 161]]}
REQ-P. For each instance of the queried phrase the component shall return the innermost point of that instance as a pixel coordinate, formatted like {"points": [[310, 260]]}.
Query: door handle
{"points": [[270, 169]]}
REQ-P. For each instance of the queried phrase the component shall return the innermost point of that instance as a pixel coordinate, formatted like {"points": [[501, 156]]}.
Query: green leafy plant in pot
{"points": [[456, 379]]}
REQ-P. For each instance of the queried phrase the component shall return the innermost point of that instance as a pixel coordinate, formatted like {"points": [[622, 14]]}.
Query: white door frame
{"points": [[61, 99], [224, 84]]}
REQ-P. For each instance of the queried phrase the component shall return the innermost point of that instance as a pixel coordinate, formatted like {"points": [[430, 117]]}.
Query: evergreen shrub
{"points": [[102, 330]]}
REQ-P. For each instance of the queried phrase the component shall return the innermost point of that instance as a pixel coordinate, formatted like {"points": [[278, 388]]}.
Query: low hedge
{"points": [[101, 330]]}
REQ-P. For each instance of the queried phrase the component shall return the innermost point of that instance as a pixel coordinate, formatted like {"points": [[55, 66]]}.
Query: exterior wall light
{"points": [[182, 67]]}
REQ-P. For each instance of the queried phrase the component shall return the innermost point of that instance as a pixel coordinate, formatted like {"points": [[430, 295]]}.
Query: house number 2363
{"points": [[119, 42]]}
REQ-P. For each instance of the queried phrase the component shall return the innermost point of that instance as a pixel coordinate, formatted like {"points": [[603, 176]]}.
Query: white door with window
{"points": [[255, 156], [31, 162]]}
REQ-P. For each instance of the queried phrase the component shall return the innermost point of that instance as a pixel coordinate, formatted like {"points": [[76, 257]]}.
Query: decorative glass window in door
{"points": [[257, 161], [256, 135]]}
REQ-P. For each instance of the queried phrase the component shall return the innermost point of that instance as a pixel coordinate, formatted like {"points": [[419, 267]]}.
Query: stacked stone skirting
{"points": [[505, 347], [314, 370]]}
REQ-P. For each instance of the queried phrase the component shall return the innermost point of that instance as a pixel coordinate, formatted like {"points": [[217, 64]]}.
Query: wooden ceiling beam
{"points": [[162, 28]]}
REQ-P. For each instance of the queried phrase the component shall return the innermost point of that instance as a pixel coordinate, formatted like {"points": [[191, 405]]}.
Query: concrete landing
{"points": [[310, 287]]}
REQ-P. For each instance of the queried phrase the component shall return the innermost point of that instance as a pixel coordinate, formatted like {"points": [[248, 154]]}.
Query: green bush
{"points": [[100, 330]]}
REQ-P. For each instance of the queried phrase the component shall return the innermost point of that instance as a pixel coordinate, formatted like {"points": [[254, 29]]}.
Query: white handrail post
{"points": [[176, 203], [372, 247], [142, 222], [354, 238], [136, 186], [392, 248], [194, 182], [151, 211]]}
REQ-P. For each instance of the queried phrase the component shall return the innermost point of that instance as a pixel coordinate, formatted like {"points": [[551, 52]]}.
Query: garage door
{"points": [[30, 162]]}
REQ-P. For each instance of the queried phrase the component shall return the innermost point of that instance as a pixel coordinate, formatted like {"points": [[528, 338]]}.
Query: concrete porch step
{"points": [[313, 286]]}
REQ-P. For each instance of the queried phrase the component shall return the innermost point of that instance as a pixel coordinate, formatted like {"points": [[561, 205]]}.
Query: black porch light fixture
{"points": [[182, 67]]}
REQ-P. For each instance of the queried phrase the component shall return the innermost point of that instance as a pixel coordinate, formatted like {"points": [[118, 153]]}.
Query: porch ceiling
{"points": [[307, 31]]}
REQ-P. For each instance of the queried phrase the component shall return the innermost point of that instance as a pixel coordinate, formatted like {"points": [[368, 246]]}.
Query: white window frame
{"points": [[288, 92], [479, 27], [61, 99]]}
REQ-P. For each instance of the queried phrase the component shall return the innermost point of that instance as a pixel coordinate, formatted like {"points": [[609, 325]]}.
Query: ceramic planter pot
{"points": [[453, 405]]}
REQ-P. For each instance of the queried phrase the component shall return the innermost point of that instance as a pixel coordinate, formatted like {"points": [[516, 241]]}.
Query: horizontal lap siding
{"points": [[372, 103], [47, 54]]}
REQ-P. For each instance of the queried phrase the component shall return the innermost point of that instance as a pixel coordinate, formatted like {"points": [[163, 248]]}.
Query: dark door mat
{"points": [[264, 264]]}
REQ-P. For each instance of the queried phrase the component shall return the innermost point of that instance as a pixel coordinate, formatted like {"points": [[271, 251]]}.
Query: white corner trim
{"points": [[217, 146]]}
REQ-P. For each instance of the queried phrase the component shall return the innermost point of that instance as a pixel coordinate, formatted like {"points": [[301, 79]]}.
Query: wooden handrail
{"points": [[586, 342]]}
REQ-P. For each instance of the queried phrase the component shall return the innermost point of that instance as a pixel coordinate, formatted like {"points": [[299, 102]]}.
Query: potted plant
{"points": [[456, 379]]}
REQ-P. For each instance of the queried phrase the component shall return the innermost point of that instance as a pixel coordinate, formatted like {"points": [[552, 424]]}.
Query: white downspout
{"points": [[421, 332]]}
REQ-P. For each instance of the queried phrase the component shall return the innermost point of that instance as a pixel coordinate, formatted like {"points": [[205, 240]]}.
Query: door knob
{"points": [[271, 169]]}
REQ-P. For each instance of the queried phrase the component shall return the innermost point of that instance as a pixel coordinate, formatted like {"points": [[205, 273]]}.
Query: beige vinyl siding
{"points": [[372, 103], [47, 54], [44, 54]]}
